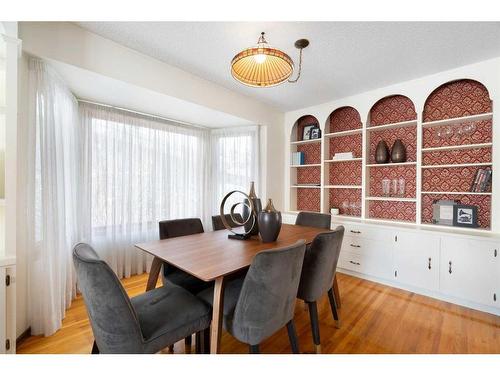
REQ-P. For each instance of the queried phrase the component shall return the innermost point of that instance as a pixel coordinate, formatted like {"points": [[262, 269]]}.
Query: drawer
{"points": [[363, 231], [365, 256]]}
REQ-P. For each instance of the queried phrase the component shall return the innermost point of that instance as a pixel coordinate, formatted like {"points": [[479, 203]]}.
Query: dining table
{"points": [[212, 256]]}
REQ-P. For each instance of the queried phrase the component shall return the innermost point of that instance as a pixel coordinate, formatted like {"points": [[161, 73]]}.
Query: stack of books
{"points": [[481, 181], [342, 156], [298, 158]]}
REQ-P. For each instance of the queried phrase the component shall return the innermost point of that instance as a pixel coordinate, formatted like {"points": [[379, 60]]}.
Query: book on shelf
{"points": [[342, 156], [298, 158], [482, 181]]}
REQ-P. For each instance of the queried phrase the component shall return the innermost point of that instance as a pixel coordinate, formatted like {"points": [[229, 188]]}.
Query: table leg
{"points": [[217, 313], [154, 272]]}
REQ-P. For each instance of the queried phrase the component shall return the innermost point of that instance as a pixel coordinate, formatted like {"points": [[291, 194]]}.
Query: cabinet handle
{"points": [[494, 297], [396, 273], [496, 253], [356, 263], [449, 266], [355, 231], [352, 245], [430, 263]]}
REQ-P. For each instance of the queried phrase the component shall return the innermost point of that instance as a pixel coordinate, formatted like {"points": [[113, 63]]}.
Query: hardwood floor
{"points": [[375, 319]]}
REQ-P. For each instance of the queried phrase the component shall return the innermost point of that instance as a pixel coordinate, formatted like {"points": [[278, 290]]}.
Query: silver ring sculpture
{"points": [[250, 207]]}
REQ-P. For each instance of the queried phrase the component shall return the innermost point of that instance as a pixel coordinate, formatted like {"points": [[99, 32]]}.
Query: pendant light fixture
{"points": [[265, 66]]}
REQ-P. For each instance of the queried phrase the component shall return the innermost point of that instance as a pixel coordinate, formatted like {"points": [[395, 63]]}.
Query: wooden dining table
{"points": [[211, 256]]}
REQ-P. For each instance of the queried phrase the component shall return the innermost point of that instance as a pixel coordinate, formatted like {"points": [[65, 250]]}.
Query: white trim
{"points": [[402, 124], [458, 120]]}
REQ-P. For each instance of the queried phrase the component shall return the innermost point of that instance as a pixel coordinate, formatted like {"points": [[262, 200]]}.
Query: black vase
{"points": [[269, 223], [398, 152], [257, 206], [382, 153]]}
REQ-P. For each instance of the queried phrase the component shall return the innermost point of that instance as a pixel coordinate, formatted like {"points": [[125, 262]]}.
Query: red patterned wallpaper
{"points": [[377, 174], [309, 175], [339, 196], [457, 99], [308, 199], [482, 201], [345, 173], [389, 210], [470, 155], [407, 135], [391, 109], [456, 179], [302, 122], [312, 152], [345, 118], [348, 143], [482, 134]]}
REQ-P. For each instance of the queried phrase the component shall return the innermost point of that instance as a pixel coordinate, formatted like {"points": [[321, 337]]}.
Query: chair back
{"points": [[320, 264], [314, 219], [218, 225], [113, 319], [180, 227], [268, 294]]}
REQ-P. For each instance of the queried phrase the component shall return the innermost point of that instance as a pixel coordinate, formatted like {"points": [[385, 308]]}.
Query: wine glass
{"points": [[345, 207], [401, 187], [386, 187]]}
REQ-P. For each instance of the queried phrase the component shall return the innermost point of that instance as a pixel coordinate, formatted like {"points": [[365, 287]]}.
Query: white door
{"points": [[416, 260], [3, 310], [469, 269]]}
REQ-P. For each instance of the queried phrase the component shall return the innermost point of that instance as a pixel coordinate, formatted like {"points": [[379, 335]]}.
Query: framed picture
{"points": [[306, 133], [442, 212], [316, 133], [464, 216]]}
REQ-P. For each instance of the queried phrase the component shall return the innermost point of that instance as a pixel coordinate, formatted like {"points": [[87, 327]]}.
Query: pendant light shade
{"points": [[262, 65]]}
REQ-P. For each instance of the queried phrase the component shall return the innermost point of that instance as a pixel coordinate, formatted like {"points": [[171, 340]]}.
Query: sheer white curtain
{"points": [[235, 162], [138, 171], [52, 219]]}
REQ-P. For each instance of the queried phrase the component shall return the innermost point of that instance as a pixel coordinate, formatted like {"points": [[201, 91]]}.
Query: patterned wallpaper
{"points": [[377, 174], [308, 199], [338, 196], [391, 109], [470, 155], [348, 143], [312, 152], [389, 210], [457, 99], [309, 175], [483, 202], [345, 118], [407, 135], [345, 173], [456, 179], [482, 134]]}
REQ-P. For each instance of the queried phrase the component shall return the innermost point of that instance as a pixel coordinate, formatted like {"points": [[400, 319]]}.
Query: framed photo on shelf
{"points": [[307, 132], [465, 216], [316, 133]]}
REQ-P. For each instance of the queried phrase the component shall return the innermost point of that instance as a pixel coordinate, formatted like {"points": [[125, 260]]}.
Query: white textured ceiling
{"points": [[344, 58]]}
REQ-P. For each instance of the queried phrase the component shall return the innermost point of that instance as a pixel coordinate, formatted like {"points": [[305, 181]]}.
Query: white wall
{"points": [[486, 72]]}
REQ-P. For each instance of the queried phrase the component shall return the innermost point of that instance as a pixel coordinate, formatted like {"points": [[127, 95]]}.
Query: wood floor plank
{"points": [[375, 319]]}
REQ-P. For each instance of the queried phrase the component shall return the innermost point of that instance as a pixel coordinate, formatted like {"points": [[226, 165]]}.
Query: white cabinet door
{"points": [[3, 310], [469, 269], [416, 260]]}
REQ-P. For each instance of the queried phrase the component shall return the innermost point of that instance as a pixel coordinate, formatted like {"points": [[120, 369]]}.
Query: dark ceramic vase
{"points": [[257, 207], [398, 152], [382, 153], [269, 223]]}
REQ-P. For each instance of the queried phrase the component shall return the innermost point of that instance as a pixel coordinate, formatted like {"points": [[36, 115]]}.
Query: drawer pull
{"points": [[430, 263], [449, 266], [352, 245], [355, 231], [356, 263]]}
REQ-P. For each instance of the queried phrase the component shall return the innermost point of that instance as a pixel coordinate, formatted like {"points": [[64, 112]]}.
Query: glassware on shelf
{"points": [[401, 187], [444, 132], [345, 208], [394, 185], [386, 187]]}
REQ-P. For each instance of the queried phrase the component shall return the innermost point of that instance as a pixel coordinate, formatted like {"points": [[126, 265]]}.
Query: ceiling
{"points": [[101, 89], [344, 58]]}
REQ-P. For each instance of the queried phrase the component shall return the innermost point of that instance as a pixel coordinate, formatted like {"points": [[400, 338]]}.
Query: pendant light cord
{"points": [[300, 68]]}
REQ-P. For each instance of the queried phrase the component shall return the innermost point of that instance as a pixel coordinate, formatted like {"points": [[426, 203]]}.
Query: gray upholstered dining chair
{"points": [[318, 272], [257, 306], [317, 220], [218, 225], [144, 324]]}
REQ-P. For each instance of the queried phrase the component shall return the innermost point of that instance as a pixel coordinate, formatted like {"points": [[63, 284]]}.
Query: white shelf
{"points": [[394, 199], [343, 186], [458, 147], [305, 165], [456, 165], [458, 120], [306, 141], [343, 133], [456, 192], [389, 221], [402, 124], [393, 164], [341, 160], [306, 186]]}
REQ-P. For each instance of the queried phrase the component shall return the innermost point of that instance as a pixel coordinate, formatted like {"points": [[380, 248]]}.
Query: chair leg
{"points": [[254, 349], [198, 342], [292, 335], [336, 291], [333, 305], [95, 349], [313, 314], [171, 349], [206, 341], [187, 344]]}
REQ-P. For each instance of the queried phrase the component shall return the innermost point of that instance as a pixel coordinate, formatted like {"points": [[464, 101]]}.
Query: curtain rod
{"points": [[144, 114]]}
